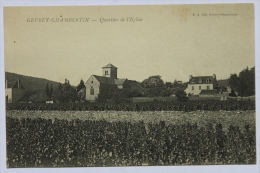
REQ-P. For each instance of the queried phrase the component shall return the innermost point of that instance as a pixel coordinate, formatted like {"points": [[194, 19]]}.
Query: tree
{"points": [[47, 89], [152, 81], [155, 86], [247, 82], [181, 96], [175, 84], [178, 85], [168, 84], [51, 92], [244, 83], [65, 93], [80, 85], [233, 82]]}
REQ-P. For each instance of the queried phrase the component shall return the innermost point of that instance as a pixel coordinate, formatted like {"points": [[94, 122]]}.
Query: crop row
{"points": [[58, 143], [192, 105]]}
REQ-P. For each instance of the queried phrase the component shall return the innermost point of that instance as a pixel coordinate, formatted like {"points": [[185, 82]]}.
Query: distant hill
{"points": [[30, 82]]}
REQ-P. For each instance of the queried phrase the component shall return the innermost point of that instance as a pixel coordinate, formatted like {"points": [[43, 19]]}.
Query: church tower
{"points": [[110, 71]]}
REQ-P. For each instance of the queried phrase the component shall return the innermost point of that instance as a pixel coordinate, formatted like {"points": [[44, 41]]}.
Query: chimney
{"points": [[214, 76], [190, 77], [18, 83], [6, 84]]}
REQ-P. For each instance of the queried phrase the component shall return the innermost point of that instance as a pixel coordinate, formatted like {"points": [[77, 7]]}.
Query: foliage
{"points": [[190, 105], [49, 90], [176, 85], [80, 85], [65, 93], [158, 91], [152, 81], [155, 87], [102, 143], [244, 83], [181, 96]]}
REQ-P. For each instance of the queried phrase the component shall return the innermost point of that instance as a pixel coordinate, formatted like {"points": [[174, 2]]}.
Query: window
{"points": [[92, 91], [199, 87], [208, 87], [207, 80], [192, 87]]}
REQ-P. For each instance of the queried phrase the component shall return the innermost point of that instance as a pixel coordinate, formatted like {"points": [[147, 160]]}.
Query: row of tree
{"points": [[65, 93], [156, 87], [244, 83]]}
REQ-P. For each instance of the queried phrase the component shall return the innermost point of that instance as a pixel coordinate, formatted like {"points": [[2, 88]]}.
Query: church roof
{"points": [[111, 81], [130, 84], [105, 80], [120, 81], [109, 66]]}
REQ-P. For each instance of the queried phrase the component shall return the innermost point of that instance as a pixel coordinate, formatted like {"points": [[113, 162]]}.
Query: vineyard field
{"points": [[129, 138], [237, 118]]}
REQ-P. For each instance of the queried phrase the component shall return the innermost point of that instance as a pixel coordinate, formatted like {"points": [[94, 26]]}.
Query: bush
{"points": [[181, 96], [188, 105]]}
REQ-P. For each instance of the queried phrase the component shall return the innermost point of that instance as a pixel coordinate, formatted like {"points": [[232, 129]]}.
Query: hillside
{"points": [[30, 82]]}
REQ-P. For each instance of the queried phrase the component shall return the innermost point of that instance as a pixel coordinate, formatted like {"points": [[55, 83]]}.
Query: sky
{"points": [[173, 41]]}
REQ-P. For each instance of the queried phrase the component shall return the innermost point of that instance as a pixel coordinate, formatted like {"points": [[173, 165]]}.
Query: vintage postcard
{"points": [[123, 86]]}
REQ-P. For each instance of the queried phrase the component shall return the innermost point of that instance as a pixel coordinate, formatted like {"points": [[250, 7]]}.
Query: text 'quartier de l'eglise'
{"points": [[122, 19]]}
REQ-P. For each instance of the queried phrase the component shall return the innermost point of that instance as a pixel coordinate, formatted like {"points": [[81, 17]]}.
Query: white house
{"points": [[198, 83]]}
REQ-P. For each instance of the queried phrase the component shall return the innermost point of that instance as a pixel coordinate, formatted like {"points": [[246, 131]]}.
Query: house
{"points": [[107, 85], [14, 91], [198, 83], [35, 96]]}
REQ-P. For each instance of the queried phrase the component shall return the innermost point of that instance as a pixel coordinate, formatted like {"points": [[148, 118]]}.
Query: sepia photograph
{"points": [[130, 85]]}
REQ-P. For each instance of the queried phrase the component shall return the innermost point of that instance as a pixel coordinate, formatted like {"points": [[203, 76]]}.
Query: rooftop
{"points": [[109, 66], [14, 84], [208, 92], [35, 96], [202, 79]]}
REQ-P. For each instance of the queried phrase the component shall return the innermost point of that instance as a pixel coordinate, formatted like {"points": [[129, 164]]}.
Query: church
{"points": [[106, 85]]}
